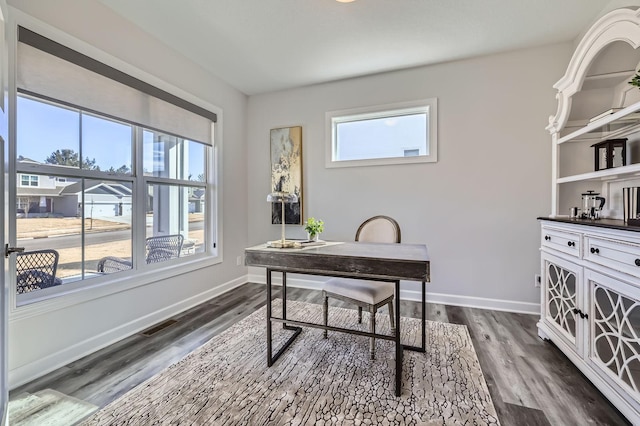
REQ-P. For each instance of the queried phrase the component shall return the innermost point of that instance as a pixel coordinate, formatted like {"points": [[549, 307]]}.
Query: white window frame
{"points": [[29, 180], [333, 118], [138, 234], [113, 283]]}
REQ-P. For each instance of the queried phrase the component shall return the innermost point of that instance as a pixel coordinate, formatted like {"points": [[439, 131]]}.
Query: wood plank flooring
{"points": [[531, 381]]}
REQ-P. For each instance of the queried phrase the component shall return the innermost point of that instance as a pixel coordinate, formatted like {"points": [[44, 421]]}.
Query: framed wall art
{"points": [[286, 172]]}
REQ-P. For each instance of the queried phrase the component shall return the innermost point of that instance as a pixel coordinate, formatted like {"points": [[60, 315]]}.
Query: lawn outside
{"points": [[32, 232], [42, 227]]}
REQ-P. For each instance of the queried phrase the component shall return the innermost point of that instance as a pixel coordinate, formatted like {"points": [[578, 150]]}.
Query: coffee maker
{"points": [[592, 205]]}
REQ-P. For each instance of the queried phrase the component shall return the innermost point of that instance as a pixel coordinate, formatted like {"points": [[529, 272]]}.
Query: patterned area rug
{"points": [[316, 381]]}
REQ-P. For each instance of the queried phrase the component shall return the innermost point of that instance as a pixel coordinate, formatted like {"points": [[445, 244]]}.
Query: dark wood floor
{"points": [[531, 381]]}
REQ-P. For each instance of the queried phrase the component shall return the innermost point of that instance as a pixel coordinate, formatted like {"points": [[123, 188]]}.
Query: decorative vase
{"points": [[313, 237]]}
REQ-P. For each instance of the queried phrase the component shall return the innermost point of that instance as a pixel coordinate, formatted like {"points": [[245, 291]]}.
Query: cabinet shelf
{"points": [[615, 173], [605, 80], [628, 119]]}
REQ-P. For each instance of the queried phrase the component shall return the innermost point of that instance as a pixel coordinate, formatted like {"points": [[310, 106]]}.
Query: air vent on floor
{"points": [[153, 330]]}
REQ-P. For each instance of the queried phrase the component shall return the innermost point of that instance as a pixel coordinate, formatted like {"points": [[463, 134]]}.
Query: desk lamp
{"points": [[282, 197]]}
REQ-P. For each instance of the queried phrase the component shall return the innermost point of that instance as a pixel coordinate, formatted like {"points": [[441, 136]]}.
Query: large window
{"points": [[114, 175], [84, 207], [387, 134]]}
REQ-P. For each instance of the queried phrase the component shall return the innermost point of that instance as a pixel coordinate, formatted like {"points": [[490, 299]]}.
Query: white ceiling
{"points": [[266, 45]]}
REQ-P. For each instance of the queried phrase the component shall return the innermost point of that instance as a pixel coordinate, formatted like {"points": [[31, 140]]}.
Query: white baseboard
{"points": [[445, 299], [26, 373], [482, 303]]}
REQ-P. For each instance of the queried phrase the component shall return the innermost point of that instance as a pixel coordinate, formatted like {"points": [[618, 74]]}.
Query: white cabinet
{"points": [[590, 270], [591, 305]]}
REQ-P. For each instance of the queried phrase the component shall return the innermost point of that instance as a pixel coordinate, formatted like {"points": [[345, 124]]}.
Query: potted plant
{"points": [[635, 81], [314, 227]]}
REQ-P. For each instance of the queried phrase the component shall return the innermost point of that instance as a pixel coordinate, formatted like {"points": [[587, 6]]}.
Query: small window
{"points": [[386, 134], [28, 180]]}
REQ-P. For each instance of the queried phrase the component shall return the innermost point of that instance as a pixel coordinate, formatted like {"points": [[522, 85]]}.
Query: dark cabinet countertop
{"points": [[600, 223]]}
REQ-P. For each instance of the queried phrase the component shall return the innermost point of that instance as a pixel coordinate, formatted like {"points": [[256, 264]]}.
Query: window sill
{"points": [[119, 284], [330, 164]]}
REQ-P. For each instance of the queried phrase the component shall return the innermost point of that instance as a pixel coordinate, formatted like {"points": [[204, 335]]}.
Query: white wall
{"points": [[475, 208], [44, 340]]}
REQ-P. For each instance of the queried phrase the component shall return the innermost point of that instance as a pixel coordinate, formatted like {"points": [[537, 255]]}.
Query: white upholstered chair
{"points": [[367, 294]]}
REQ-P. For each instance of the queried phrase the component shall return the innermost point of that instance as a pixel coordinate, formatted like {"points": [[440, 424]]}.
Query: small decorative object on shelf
{"points": [[631, 205], [314, 228], [592, 205], [610, 153], [635, 81]]}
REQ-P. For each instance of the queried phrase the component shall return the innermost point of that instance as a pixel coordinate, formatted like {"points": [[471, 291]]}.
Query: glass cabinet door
{"points": [[561, 295], [614, 322]]}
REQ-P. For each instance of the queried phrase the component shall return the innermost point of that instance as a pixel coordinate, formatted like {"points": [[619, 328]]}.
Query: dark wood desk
{"points": [[369, 261]]}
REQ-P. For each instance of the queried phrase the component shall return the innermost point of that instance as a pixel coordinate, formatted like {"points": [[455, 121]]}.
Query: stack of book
{"points": [[310, 243]]}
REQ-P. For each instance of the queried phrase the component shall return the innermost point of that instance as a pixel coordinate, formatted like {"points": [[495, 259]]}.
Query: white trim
{"points": [[414, 295], [105, 286], [42, 366], [480, 303], [428, 106], [4, 288]]}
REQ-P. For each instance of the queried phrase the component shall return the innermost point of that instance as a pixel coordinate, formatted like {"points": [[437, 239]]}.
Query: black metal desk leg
{"points": [[284, 298], [424, 317], [285, 326], [398, 343], [269, 348], [423, 347], [271, 357]]}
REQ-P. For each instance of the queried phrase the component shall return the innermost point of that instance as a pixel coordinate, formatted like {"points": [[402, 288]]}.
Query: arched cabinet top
{"points": [[618, 25]]}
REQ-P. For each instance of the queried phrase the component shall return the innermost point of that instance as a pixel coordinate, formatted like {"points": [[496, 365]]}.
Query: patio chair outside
{"points": [[164, 247], [158, 249], [36, 270], [111, 264]]}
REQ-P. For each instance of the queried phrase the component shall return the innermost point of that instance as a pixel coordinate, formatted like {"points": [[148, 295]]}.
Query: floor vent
{"points": [[153, 330]]}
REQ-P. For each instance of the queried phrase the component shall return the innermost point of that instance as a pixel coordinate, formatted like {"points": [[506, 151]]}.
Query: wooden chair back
{"points": [[379, 229]]}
